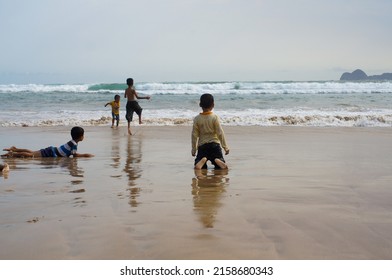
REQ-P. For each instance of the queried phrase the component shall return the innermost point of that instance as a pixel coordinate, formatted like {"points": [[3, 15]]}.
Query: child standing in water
{"points": [[132, 104], [115, 109], [208, 137]]}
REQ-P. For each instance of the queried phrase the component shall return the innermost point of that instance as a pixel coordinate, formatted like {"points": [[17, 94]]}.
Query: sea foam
{"points": [[330, 103]]}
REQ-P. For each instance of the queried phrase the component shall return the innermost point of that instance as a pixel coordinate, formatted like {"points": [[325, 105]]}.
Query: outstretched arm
{"points": [[83, 155], [140, 97]]}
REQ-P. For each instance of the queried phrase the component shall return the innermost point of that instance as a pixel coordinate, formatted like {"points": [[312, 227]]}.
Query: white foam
{"points": [[43, 88], [250, 117], [238, 103], [217, 88]]}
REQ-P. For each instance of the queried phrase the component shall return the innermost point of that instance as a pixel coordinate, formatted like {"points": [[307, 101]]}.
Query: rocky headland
{"points": [[359, 75]]}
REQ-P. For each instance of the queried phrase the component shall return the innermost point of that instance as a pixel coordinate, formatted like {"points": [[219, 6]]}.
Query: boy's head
{"points": [[77, 133], [130, 82], [117, 97], [206, 101]]}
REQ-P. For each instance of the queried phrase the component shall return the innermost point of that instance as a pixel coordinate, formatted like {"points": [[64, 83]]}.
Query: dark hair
{"points": [[77, 132], [206, 100], [116, 96], [130, 82]]}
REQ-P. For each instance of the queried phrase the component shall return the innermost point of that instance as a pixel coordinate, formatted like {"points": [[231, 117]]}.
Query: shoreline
{"points": [[289, 193]]}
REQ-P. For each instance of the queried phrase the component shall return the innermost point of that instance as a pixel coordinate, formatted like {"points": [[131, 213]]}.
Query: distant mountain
{"points": [[359, 75]]}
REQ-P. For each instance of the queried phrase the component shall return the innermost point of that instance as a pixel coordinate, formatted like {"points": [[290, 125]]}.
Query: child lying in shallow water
{"points": [[66, 150]]}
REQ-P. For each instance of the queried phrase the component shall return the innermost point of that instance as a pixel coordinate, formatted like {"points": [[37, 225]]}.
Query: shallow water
{"points": [[290, 193]]}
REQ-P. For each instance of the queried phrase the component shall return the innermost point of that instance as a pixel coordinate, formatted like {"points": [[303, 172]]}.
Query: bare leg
{"points": [[220, 163], [129, 128], [7, 155], [21, 153], [140, 119], [18, 154], [17, 150], [201, 163]]}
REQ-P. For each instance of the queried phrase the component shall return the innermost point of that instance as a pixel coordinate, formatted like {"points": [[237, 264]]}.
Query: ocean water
{"points": [[325, 103]]}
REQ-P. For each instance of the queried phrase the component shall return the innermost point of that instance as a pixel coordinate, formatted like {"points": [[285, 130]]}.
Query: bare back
{"points": [[130, 94]]}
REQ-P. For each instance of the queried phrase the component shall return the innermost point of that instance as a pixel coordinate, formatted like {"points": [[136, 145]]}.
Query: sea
{"points": [[238, 103]]}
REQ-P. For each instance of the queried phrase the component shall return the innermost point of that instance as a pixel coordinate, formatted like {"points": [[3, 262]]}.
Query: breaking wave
{"points": [[330, 103], [215, 87]]}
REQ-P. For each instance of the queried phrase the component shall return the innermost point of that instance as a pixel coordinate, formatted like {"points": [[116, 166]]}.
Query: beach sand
{"points": [[290, 193]]}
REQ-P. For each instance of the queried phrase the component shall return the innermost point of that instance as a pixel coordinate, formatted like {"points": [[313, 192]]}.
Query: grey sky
{"points": [[77, 41]]}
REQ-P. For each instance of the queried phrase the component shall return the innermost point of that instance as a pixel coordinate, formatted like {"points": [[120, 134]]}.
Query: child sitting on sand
{"points": [[208, 136], [115, 109], [66, 150]]}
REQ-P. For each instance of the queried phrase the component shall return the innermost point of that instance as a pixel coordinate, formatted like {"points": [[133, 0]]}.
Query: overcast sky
{"points": [[97, 41]]}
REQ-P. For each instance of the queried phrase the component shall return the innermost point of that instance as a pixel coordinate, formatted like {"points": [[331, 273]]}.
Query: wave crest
{"points": [[214, 87], [355, 120]]}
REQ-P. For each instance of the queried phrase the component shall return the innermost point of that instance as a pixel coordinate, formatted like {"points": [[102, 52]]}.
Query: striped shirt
{"points": [[68, 149]]}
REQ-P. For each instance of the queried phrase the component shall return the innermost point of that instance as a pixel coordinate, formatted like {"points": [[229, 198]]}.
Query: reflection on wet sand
{"points": [[52, 165], [115, 148], [133, 169], [207, 189], [70, 164]]}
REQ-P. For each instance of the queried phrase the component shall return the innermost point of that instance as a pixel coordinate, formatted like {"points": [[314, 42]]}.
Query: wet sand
{"points": [[290, 193]]}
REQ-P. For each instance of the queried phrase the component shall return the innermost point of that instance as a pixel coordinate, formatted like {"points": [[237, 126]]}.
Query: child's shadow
{"points": [[207, 189]]}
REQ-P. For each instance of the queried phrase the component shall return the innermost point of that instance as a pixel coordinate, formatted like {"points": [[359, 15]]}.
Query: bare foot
{"points": [[13, 148], [201, 163], [7, 155], [199, 173], [129, 132], [220, 163]]}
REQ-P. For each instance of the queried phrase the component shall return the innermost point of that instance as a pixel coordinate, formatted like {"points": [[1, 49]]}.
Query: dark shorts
{"points": [[211, 151], [49, 152], [132, 106], [116, 116]]}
